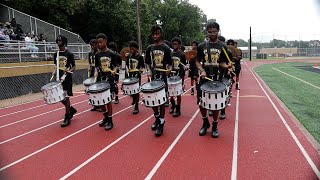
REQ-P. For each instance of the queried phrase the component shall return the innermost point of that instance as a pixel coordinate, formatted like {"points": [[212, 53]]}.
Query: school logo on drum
{"points": [[158, 58], [105, 63], [176, 62], [62, 61], [214, 53]]}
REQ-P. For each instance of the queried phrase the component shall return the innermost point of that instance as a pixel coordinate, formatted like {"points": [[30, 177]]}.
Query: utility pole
{"points": [[250, 45], [139, 27]]}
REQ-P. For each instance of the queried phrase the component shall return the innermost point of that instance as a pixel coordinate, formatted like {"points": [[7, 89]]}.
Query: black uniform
{"points": [[92, 55], [106, 61], [210, 54], [66, 61], [178, 58], [135, 62]]}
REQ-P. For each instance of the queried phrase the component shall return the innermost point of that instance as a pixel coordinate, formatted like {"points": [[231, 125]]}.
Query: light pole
{"points": [[139, 27]]}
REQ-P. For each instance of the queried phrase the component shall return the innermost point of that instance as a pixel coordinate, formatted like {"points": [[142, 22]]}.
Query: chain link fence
{"points": [[36, 26]]}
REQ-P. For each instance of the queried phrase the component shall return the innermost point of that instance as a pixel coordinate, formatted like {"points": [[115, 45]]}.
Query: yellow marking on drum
{"points": [[252, 96]]}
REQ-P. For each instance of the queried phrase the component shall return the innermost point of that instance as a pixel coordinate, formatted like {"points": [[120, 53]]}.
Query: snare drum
{"points": [[88, 82], [131, 86], [99, 94], [227, 82], [53, 92], [213, 95], [175, 86], [154, 93]]}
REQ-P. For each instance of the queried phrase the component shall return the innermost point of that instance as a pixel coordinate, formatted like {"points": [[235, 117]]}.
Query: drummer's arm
{"points": [[202, 71], [72, 64]]}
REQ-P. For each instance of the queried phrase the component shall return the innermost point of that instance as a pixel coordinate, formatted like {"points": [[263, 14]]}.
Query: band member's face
{"points": [[102, 43], [60, 43], [156, 36], [194, 46], [133, 50], [235, 45], [213, 33], [175, 45], [94, 46]]}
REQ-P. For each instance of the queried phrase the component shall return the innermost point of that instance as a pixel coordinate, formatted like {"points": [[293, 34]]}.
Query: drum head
{"points": [[50, 85], [174, 79], [131, 80], [213, 87], [153, 86], [226, 81], [98, 87], [88, 82]]}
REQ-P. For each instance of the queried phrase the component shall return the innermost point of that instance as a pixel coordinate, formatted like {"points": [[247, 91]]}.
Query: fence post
{"points": [[45, 50], [82, 51], [19, 48]]}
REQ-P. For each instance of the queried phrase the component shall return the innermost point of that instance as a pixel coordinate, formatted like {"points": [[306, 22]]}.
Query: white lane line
{"points": [[104, 149], [164, 156], [32, 107], [296, 78], [235, 142], [109, 146], [29, 132], [50, 145], [26, 119], [296, 140]]}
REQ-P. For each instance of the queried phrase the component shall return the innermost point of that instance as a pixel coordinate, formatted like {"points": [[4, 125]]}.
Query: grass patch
{"points": [[302, 99]]}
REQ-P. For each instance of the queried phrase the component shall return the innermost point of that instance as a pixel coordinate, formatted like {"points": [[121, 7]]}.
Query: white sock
{"points": [[161, 120]]}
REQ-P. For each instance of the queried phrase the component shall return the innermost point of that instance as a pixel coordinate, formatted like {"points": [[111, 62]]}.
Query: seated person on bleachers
{"points": [[30, 45]]}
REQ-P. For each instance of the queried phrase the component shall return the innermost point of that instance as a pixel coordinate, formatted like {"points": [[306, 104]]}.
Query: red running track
{"points": [[254, 142]]}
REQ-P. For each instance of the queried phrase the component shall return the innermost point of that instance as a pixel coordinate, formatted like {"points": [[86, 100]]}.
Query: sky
{"points": [[279, 19]]}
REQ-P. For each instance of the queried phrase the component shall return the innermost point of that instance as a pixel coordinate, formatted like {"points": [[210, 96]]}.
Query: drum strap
{"points": [[57, 60], [209, 57]]}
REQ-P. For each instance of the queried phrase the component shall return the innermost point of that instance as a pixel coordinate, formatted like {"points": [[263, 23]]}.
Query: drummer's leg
{"points": [[159, 130], [178, 107], [70, 111], [214, 132], [173, 105]]}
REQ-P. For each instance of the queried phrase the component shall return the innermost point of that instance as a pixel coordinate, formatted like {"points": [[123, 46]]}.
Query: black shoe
{"points": [[210, 113], [109, 125], [222, 115], [72, 111], [159, 130], [177, 112], [95, 108], [237, 86], [133, 101], [136, 110], [192, 92], [172, 109], [104, 120], [215, 132], [205, 126], [116, 100], [66, 120], [155, 124]]}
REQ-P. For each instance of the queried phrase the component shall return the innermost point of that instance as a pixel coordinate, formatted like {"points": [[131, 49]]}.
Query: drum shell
{"points": [[132, 87], [214, 100], [227, 82], [154, 98], [53, 92], [99, 97], [175, 88]]}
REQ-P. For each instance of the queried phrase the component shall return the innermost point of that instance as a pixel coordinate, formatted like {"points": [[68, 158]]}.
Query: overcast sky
{"points": [[281, 19]]}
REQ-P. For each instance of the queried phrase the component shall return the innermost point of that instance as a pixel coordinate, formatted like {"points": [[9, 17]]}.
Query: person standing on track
{"points": [[211, 55], [237, 64], [65, 59], [158, 56], [106, 65], [178, 58], [113, 47], [135, 64], [193, 73]]}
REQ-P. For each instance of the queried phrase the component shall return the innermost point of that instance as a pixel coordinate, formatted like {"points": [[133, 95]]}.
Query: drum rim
{"points": [[174, 82], [129, 83], [102, 90], [58, 83], [88, 84], [229, 82], [214, 91], [153, 90]]}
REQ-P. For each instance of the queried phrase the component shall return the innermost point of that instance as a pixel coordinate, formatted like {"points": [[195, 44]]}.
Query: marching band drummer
{"points": [[91, 68], [178, 58], [134, 66], [106, 64], [66, 65], [113, 47], [158, 56], [211, 55], [193, 73], [237, 64]]}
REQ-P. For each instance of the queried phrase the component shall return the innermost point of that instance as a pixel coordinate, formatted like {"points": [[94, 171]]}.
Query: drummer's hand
{"points": [[113, 72], [203, 74], [230, 66], [95, 74], [186, 68], [168, 72]]}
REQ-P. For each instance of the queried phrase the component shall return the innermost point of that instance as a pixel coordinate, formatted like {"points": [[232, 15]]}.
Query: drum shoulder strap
{"points": [[152, 56]]}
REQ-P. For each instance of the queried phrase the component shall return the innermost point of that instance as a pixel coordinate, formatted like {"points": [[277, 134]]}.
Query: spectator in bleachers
{"points": [[30, 45], [3, 36]]}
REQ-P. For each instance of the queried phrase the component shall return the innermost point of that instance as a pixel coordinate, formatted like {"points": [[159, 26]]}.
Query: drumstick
{"points": [[184, 66], [95, 79], [52, 77], [66, 70], [112, 71], [164, 70], [89, 73], [208, 78]]}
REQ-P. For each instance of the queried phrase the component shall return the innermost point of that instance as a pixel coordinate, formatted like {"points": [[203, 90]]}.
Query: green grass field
{"points": [[302, 99]]}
